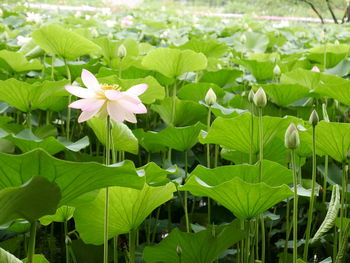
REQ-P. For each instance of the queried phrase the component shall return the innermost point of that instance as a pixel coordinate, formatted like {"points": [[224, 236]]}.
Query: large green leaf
{"points": [[57, 40], [127, 210], [303, 77], [27, 141], [234, 133], [243, 199], [255, 42], [285, 94], [334, 87], [334, 54], [333, 139], [182, 110], [122, 136], [18, 62], [32, 200], [209, 47], [174, 62], [202, 247], [73, 178], [221, 77], [26, 97], [6, 257], [37, 258], [261, 70], [197, 91], [109, 50]]}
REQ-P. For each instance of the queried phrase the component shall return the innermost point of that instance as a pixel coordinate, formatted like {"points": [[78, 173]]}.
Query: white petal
{"points": [[132, 107], [119, 113], [89, 80], [86, 115], [93, 105], [80, 92], [137, 90], [113, 94]]}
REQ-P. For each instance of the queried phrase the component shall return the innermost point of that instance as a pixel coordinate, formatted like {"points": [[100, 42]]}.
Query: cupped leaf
{"points": [[221, 77], [285, 94], [244, 200], [73, 178], [182, 109], [174, 62], [32, 200], [18, 62], [27, 141], [122, 136], [303, 77], [127, 210], [334, 54], [209, 47], [57, 40], [261, 70], [63, 213], [202, 247]]}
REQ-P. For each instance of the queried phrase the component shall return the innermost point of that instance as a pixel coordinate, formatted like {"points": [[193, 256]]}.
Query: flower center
{"points": [[110, 87]]}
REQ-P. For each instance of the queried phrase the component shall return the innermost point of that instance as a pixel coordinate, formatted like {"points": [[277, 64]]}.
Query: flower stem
{"points": [[31, 244], [295, 209], [173, 110], [261, 157], [312, 197], [115, 249], [132, 245], [69, 101], [186, 195], [107, 162], [208, 162], [342, 204], [251, 134]]}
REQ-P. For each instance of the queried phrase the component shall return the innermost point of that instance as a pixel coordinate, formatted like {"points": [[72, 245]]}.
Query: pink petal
{"points": [[79, 103], [137, 90], [93, 105], [119, 114], [79, 92], [86, 115], [89, 80], [133, 107], [113, 94]]}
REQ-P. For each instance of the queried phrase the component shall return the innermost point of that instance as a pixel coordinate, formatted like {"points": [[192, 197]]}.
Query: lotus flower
{"points": [[103, 99]]}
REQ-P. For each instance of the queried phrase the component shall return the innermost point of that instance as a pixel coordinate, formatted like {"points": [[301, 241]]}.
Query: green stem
{"points": [[132, 245], [186, 195], [263, 237], [173, 110], [343, 245], [295, 209], [107, 162], [261, 157], [66, 240], [312, 197], [342, 205], [52, 67], [31, 244], [155, 225], [69, 111], [251, 134], [247, 247], [29, 120], [115, 249], [285, 250], [325, 179], [208, 162]]}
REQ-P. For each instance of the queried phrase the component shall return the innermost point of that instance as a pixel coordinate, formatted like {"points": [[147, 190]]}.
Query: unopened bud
{"points": [[291, 138], [178, 250], [122, 51], [210, 97], [276, 70], [315, 69], [251, 96], [260, 99], [324, 112], [243, 39], [336, 42], [313, 120]]}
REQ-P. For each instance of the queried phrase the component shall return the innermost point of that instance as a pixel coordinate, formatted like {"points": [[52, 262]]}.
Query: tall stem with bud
{"points": [[313, 121], [260, 101], [292, 142]]}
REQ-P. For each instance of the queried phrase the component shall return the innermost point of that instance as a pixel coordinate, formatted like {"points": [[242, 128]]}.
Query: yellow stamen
{"points": [[110, 87]]}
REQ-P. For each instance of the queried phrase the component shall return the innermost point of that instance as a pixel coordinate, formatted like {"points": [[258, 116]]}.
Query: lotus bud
{"points": [[336, 42], [243, 39], [291, 138], [251, 96], [210, 97], [178, 250], [260, 99], [276, 71], [313, 120], [315, 69], [336, 104], [122, 51], [324, 111]]}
